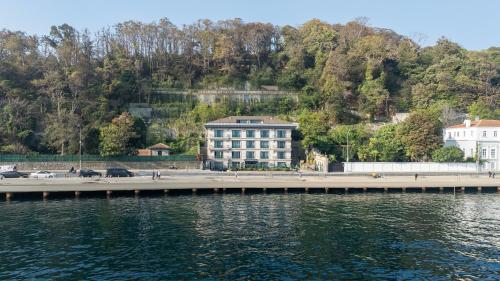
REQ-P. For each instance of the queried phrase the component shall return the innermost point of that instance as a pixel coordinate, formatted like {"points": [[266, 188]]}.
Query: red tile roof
{"points": [[479, 123], [159, 146]]}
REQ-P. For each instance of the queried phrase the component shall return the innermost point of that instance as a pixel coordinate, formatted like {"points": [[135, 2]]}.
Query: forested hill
{"points": [[345, 73]]}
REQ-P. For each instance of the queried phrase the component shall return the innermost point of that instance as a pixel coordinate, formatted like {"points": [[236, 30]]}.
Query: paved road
{"points": [[242, 181]]}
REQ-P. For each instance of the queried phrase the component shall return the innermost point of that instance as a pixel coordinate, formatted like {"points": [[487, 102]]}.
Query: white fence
{"points": [[409, 167]]}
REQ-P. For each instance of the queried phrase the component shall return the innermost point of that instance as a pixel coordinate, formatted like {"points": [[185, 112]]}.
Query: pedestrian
{"points": [[489, 174], [493, 175], [158, 175], [236, 174], [154, 173], [416, 176]]}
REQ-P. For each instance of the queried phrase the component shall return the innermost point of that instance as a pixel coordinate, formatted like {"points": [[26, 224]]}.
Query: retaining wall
{"points": [[412, 167], [102, 165]]}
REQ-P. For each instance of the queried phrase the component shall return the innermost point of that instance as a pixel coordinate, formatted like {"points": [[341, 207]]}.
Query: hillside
{"points": [[344, 74]]}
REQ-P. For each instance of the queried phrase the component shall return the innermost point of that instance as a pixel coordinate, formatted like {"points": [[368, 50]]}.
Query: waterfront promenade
{"points": [[245, 182]]}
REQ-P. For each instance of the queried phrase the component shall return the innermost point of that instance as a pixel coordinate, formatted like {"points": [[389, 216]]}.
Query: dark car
{"points": [[118, 172], [88, 173], [13, 174]]}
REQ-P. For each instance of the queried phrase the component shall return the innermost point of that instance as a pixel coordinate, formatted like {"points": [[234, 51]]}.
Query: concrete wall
{"points": [[413, 167], [101, 165]]}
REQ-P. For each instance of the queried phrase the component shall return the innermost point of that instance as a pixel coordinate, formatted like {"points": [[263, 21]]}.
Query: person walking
{"points": [[493, 175], [158, 174], [416, 176], [154, 174], [489, 174]]}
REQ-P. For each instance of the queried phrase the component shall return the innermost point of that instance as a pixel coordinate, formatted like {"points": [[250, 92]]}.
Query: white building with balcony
{"points": [[249, 141], [479, 139]]}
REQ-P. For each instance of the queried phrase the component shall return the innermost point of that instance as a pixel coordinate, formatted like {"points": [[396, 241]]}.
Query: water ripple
{"points": [[254, 237]]}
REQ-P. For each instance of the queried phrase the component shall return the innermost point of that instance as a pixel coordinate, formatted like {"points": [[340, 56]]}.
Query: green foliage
{"points": [[345, 74], [384, 145], [420, 134], [483, 110], [448, 154], [115, 138], [313, 126]]}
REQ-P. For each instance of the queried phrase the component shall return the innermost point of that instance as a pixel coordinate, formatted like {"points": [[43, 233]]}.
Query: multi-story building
{"points": [[243, 141], [479, 139]]}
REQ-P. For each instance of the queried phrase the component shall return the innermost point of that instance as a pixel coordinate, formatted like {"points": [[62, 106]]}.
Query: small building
{"points": [[249, 141], [319, 160], [158, 149], [478, 139]]}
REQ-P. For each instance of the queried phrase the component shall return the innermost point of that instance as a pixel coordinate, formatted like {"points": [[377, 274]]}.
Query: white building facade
{"points": [[478, 139], [249, 141]]}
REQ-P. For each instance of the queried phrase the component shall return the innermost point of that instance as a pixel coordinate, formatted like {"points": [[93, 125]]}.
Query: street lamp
{"points": [[79, 126]]}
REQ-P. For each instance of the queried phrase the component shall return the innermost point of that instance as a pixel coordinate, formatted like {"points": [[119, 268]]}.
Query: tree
{"points": [[483, 110], [384, 146], [448, 154], [420, 134], [312, 125], [115, 137]]}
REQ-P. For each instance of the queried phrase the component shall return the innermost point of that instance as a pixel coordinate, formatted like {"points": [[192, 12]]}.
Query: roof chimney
{"points": [[467, 123]]}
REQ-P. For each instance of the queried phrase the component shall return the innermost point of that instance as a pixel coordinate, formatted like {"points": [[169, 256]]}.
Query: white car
{"points": [[42, 175]]}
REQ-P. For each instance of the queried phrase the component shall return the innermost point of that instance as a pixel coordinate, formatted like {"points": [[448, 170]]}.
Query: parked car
{"points": [[88, 173], [8, 168], [118, 172], [13, 174], [42, 175]]}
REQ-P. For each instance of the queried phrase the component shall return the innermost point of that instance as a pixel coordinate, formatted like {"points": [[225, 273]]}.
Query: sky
{"points": [[474, 24]]}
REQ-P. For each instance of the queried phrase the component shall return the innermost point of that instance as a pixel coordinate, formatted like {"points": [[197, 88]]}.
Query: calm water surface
{"points": [[253, 237]]}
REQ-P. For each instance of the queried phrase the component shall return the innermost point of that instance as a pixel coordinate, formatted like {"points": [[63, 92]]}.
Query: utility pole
{"points": [[347, 162], [80, 149]]}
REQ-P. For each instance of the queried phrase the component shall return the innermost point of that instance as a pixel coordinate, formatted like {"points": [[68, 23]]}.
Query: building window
{"points": [[250, 144], [264, 134], [484, 133], [281, 144], [281, 164], [493, 153], [483, 153], [472, 152], [236, 133], [281, 134], [235, 144], [235, 165], [494, 133], [449, 135], [281, 155], [250, 155], [264, 155], [235, 155], [219, 133], [250, 134], [264, 144], [218, 144], [264, 165], [218, 154]]}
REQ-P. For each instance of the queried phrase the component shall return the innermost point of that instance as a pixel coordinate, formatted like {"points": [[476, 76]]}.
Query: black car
{"points": [[88, 173], [118, 172], [13, 174]]}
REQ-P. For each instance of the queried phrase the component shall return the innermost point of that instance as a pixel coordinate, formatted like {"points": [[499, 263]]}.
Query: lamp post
{"points": [[79, 126], [347, 152]]}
